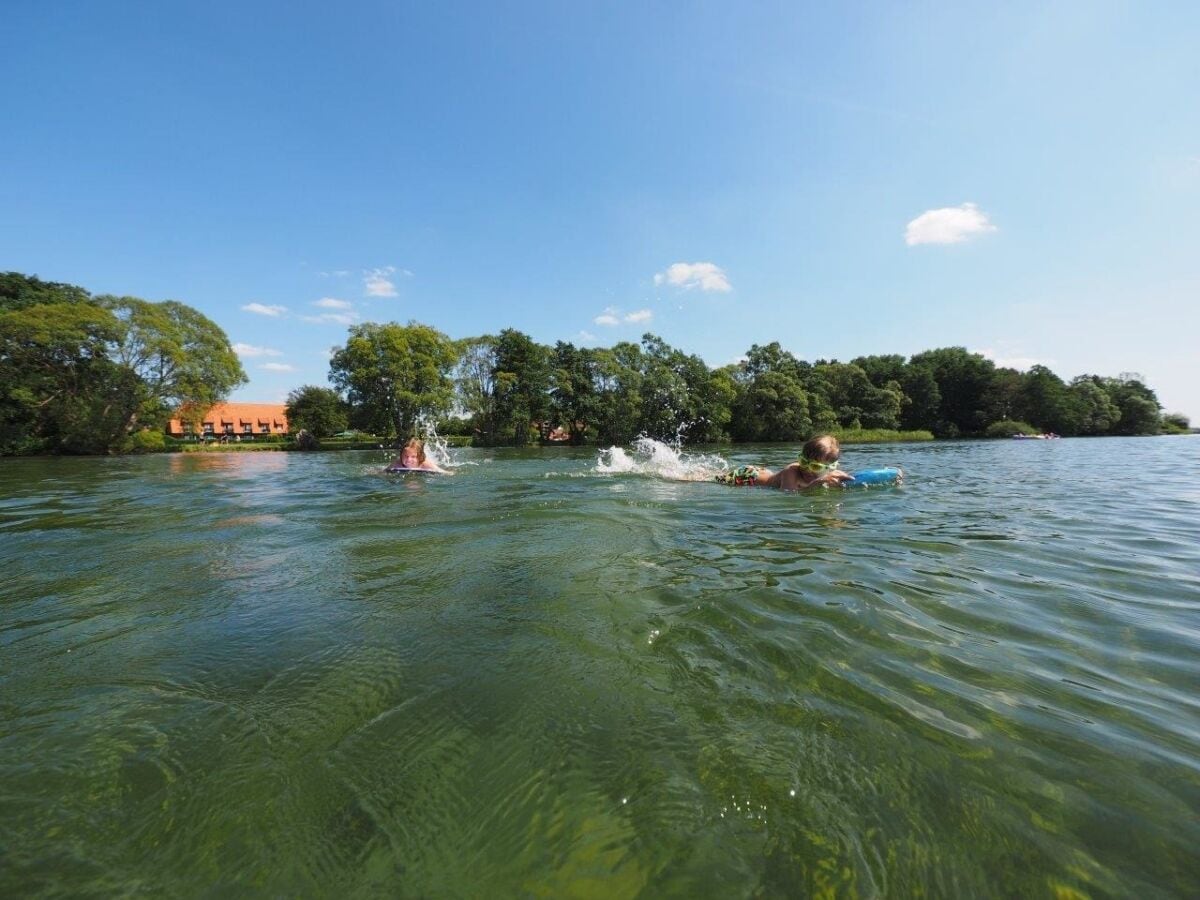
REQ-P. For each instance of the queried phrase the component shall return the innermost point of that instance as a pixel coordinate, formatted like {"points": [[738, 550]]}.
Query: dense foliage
{"points": [[394, 374], [83, 374], [318, 410], [508, 389]]}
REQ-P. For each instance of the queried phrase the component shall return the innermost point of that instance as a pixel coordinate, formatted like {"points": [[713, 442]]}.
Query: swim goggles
{"points": [[811, 465]]}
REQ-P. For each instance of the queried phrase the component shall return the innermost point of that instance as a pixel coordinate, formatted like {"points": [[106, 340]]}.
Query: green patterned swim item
{"points": [[739, 477]]}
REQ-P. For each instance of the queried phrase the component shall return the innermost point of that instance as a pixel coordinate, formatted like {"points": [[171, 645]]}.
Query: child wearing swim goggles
{"points": [[818, 464]]}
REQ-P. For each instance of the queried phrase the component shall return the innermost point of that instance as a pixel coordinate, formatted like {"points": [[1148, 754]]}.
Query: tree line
{"points": [[507, 389], [97, 374]]}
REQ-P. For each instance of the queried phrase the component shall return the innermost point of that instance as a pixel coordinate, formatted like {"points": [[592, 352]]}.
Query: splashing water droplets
{"points": [[659, 460]]}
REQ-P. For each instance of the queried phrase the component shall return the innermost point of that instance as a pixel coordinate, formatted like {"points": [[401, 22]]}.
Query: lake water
{"points": [[286, 674]]}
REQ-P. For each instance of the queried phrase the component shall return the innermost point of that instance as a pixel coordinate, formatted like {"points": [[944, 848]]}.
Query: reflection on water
{"points": [[287, 674]]}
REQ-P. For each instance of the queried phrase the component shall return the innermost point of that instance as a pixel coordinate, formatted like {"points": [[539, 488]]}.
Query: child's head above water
{"points": [[413, 453], [822, 452]]}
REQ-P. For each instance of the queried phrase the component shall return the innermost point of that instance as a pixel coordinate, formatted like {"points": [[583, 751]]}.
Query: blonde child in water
{"points": [[818, 465], [412, 456]]}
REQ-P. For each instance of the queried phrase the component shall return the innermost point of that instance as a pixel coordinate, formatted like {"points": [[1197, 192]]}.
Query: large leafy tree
{"points": [[711, 396], [573, 394], [774, 406], [1096, 411], [1140, 411], [182, 359], [318, 410], [521, 375], [58, 389], [1047, 403], [395, 374], [962, 379], [618, 392], [475, 384], [77, 373]]}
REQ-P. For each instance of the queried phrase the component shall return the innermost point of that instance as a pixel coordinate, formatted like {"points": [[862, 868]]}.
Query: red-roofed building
{"points": [[238, 421]]}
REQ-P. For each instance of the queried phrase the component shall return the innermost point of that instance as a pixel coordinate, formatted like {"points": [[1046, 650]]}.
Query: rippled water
{"points": [[286, 674]]}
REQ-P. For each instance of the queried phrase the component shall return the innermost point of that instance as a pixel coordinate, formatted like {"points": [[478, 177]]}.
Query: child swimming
{"points": [[818, 465], [412, 456]]}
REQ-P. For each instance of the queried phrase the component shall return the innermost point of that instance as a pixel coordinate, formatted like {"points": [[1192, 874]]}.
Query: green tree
{"points": [[1002, 400], [618, 392], [1046, 402], [80, 373], [573, 392], [1176, 423], [712, 394], [394, 374], [1139, 407], [521, 375], [1095, 409], [181, 358], [773, 407], [318, 410], [475, 385], [59, 392], [19, 291], [922, 399], [962, 379]]}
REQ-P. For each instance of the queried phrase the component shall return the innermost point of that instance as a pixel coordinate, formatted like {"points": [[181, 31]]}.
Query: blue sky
{"points": [[1020, 179]]}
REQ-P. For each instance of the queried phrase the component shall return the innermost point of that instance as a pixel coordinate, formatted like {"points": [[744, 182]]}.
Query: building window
{"points": [[247, 428], [208, 427], [265, 428], [187, 427], [229, 429]]}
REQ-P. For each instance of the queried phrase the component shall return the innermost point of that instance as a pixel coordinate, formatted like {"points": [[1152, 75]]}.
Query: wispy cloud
{"points": [[262, 309], [249, 351], [608, 317], [332, 303], [703, 275], [378, 282], [641, 315], [586, 336], [947, 225], [277, 367], [336, 273], [330, 318]]}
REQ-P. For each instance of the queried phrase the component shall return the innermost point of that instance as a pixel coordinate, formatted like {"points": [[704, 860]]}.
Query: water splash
{"points": [[659, 460], [437, 448]]}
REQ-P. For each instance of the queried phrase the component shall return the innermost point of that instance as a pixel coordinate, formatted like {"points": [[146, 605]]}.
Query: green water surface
{"points": [[286, 674]]}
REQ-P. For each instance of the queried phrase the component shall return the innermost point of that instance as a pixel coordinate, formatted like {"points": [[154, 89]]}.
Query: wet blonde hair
{"points": [[418, 445], [824, 449]]}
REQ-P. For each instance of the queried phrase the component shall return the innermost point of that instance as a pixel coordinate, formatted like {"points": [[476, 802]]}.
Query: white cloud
{"points": [[378, 282], [586, 336], [948, 225], [1020, 363], [608, 317], [337, 273], [263, 309], [703, 275], [342, 318], [249, 351], [277, 367], [332, 303], [641, 315]]}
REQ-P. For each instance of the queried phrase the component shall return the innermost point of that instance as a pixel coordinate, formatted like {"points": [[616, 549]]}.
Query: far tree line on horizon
{"points": [[94, 374]]}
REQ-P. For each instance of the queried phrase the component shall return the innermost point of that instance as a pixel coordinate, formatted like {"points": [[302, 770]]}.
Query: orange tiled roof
{"points": [[239, 414]]}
